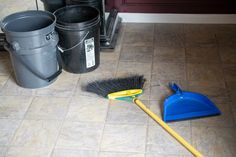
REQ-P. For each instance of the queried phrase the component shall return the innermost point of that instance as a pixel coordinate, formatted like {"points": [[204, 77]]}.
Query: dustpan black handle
{"points": [[175, 88]]}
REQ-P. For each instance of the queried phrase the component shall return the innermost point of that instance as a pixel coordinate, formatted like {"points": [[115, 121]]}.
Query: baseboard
{"points": [[179, 18]]}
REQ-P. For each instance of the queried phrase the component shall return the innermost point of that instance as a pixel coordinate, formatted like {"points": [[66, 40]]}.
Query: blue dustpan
{"points": [[187, 105]]}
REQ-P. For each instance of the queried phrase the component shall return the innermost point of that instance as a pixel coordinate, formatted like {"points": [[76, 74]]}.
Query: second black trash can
{"points": [[79, 33], [53, 5]]}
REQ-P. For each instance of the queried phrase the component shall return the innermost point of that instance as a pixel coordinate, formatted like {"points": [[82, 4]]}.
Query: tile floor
{"points": [[61, 120]]}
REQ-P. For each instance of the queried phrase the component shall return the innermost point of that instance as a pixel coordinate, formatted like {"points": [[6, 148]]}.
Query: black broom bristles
{"points": [[105, 87]]}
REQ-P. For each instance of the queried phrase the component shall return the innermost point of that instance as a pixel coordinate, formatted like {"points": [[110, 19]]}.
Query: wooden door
{"points": [[173, 6]]}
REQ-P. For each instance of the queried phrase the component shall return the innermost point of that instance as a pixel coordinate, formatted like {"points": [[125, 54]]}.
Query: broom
{"points": [[128, 89]]}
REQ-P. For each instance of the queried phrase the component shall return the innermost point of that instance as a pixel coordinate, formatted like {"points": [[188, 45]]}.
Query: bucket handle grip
{"points": [[64, 49], [175, 88], [34, 71]]}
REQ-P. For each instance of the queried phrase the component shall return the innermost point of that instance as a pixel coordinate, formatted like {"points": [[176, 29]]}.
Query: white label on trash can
{"points": [[90, 52]]}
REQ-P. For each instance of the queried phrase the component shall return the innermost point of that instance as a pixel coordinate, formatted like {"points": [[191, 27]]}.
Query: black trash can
{"points": [[79, 34], [53, 5], [93, 3]]}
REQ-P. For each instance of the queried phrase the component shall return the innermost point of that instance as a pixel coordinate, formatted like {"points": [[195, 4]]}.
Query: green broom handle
{"points": [[180, 139]]}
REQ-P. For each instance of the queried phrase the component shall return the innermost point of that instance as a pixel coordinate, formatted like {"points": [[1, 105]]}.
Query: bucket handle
{"points": [[34, 71], [175, 88], [64, 49]]}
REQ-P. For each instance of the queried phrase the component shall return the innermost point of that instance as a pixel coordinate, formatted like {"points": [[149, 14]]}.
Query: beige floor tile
{"points": [[3, 80], [74, 153], [28, 152], [226, 39], [121, 34], [215, 141], [121, 112], [196, 39], [234, 110], [160, 88], [159, 92], [138, 38], [167, 155], [5, 67], [124, 138], [110, 56], [169, 28], [11, 88], [226, 119], [141, 54], [215, 90], [160, 141], [169, 71], [7, 130], [229, 72], [232, 91], [202, 72], [226, 28], [228, 55], [169, 40], [48, 108], [157, 108], [77, 135], [114, 154], [62, 87], [215, 94], [231, 85], [146, 92], [14, 106], [3, 151], [106, 67], [202, 55], [37, 134], [134, 68], [200, 28], [233, 104], [139, 27], [169, 54], [88, 109], [207, 83]]}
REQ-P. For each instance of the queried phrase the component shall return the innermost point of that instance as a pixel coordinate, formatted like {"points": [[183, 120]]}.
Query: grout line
{"points": [[225, 83], [104, 124], [64, 119], [109, 102], [147, 131], [5, 82], [187, 78], [121, 47], [21, 122], [62, 123], [150, 86]]}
